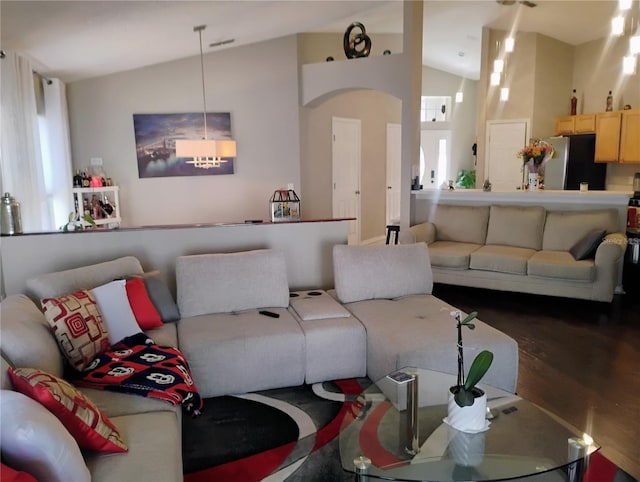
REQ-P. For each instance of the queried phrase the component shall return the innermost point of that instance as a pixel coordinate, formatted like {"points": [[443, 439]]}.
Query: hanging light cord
{"points": [[199, 29]]}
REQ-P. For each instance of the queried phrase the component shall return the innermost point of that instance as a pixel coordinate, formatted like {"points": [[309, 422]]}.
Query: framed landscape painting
{"points": [[156, 136]]}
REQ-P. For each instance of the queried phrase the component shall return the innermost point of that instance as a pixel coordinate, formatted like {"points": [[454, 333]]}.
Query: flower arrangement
{"points": [[536, 154]]}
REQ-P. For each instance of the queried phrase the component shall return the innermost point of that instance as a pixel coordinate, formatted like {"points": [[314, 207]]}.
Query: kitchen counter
{"points": [[550, 199], [600, 198]]}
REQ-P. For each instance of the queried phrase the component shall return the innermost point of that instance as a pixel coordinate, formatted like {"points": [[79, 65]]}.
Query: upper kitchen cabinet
{"points": [[630, 136], [575, 124], [608, 136]]}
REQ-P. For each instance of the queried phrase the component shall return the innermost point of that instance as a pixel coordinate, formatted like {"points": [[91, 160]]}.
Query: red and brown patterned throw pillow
{"points": [[84, 421], [76, 323]]}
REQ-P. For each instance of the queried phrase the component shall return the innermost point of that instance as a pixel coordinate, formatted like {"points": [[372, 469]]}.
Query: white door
{"points": [[394, 166], [502, 166], [435, 148], [346, 173]]}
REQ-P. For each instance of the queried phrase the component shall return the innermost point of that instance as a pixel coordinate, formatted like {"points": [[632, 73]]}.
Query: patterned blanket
{"points": [[137, 365]]}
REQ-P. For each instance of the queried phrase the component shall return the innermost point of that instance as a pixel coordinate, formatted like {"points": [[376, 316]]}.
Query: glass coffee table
{"points": [[397, 431]]}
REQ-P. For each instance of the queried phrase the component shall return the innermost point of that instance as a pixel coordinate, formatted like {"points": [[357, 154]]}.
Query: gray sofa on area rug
{"points": [[575, 254], [381, 316]]}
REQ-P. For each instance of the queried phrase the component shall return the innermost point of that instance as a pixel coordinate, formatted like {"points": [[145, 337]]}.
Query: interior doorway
{"points": [[435, 154], [394, 167], [346, 161], [502, 166]]}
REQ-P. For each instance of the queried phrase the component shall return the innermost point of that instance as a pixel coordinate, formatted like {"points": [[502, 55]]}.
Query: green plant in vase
{"points": [[78, 223], [465, 387]]}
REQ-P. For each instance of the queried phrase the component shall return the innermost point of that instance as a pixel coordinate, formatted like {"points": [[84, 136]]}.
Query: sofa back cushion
{"points": [[466, 224], [226, 282], [563, 229], [519, 226], [25, 338], [59, 283], [371, 272]]}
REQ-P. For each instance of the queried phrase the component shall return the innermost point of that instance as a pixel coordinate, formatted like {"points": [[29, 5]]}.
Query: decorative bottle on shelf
{"points": [[609, 102], [107, 207], [77, 179], [85, 179], [574, 103]]}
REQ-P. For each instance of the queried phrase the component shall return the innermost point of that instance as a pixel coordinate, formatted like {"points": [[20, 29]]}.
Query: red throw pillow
{"points": [[8, 474], [143, 308], [84, 421]]}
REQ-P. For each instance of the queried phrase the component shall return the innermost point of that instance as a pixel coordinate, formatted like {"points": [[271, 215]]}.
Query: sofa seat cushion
{"points": [[451, 254], [503, 259], [519, 226], [419, 331], [561, 265], [155, 450], [233, 353]]}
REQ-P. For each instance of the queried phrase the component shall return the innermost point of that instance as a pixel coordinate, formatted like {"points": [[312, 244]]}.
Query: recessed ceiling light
{"points": [[222, 42]]}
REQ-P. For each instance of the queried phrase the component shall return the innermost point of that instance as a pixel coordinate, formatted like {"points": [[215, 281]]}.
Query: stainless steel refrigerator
{"points": [[574, 163]]}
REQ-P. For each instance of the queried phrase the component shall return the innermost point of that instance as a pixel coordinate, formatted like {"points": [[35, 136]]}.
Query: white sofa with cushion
{"points": [[388, 319], [575, 254]]}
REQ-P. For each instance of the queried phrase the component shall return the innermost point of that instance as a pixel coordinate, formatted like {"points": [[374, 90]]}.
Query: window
{"points": [[435, 108]]}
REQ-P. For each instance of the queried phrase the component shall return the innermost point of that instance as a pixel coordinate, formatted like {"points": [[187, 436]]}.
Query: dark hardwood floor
{"points": [[578, 359]]}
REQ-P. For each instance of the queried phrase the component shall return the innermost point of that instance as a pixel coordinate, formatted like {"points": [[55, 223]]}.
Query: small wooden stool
{"points": [[395, 229]]}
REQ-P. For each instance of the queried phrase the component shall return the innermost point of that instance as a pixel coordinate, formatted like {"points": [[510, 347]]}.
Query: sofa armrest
{"points": [[611, 249], [419, 233]]}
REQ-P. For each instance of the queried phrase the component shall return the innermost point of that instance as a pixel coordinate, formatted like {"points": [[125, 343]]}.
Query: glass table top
{"points": [[522, 439]]}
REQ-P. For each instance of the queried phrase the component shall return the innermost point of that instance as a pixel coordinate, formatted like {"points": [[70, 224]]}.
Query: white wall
{"points": [[257, 84], [375, 109], [307, 248]]}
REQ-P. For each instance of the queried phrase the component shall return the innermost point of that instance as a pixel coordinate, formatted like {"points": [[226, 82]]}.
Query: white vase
{"points": [[533, 181], [466, 449], [468, 419]]}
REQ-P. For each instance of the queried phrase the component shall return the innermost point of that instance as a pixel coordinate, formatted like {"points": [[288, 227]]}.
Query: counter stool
{"points": [[395, 229]]}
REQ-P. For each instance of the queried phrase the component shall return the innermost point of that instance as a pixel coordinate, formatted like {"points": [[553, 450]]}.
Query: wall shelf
{"points": [[104, 195]]}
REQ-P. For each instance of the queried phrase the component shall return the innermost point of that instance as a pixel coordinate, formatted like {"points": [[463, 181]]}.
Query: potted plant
{"points": [[467, 406], [78, 223]]}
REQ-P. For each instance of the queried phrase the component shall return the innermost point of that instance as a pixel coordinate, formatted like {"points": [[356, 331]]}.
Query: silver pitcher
{"points": [[10, 216]]}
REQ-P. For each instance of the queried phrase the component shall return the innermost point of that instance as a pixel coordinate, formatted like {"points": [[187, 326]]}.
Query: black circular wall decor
{"points": [[358, 45]]}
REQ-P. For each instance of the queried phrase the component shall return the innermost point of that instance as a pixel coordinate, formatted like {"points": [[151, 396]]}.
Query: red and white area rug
{"points": [[290, 435]]}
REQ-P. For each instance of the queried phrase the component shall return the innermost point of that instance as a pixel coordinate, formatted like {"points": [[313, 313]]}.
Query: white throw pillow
{"points": [[115, 310], [35, 441]]}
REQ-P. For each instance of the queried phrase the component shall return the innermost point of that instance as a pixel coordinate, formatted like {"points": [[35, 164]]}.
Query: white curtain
{"points": [[56, 151], [22, 171]]}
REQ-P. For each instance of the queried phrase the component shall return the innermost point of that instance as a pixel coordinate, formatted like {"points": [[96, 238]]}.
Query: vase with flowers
{"points": [[534, 157]]}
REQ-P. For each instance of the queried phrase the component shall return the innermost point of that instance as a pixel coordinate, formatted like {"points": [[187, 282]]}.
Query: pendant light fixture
{"points": [[205, 153]]}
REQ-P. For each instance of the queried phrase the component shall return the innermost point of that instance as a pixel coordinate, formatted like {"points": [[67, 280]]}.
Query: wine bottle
{"points": [[609, 102], [574, 103], [85, 179], [107, 207], [77, 179]]}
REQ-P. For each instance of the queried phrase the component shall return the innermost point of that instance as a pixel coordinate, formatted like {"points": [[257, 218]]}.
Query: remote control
{"points": [[269, 313]]}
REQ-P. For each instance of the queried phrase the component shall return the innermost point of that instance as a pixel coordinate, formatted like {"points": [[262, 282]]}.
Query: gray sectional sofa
{"points": [[524, 248], [380, 317]]}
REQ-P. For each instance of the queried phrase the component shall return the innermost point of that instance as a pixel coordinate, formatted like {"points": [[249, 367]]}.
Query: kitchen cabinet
{"points": [[608, 126], [630, 136], [102, 203], [575, 124]]}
